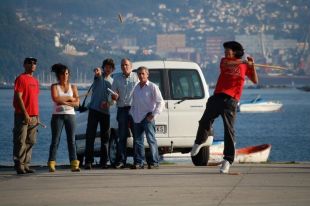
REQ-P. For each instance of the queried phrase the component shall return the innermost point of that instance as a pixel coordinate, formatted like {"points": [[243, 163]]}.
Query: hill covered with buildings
{"points": [[83, 33]]}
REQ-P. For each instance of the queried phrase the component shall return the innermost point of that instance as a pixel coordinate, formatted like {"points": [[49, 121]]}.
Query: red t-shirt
{"points": [[232, 77], [29, 87]]}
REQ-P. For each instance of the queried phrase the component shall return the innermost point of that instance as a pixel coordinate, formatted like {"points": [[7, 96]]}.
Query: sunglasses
{"points": [[31, 62]]}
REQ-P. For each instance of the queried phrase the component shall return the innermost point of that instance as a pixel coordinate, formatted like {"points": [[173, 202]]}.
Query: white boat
{"points": [[251, 154], [259, 105]]}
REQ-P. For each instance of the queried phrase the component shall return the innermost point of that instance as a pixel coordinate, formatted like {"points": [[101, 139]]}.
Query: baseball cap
{"points": [[30, 59]]}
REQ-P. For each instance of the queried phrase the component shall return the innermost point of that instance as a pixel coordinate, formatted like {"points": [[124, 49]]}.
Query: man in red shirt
{"points": [[26, 116], [224, 101]]}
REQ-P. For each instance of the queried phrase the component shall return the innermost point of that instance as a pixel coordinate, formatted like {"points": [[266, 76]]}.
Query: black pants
{"points": [[95, 117], [226, 106]]}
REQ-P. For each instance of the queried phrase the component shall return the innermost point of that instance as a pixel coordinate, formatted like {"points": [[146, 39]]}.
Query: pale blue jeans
{"points": [[147, 128]]}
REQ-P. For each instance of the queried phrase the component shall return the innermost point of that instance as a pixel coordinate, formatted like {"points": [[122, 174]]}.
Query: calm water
{"points": [[287, 130]]}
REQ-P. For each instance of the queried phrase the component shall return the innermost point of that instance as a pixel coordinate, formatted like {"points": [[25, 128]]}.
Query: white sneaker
{"points": [[225, 167], [197, 147]]}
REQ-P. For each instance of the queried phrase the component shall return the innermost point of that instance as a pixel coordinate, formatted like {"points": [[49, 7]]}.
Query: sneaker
{"points": [[29, 170], [225, 167], [196, 147], [119, 165], [137, 166], [88, 166], [104, 166], [19, 170], [152, 166]]}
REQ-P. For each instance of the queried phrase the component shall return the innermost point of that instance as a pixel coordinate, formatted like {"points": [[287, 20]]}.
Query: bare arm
{"points": [[250, 62], [75, 100], [58, 99], [18, 97], [227, 62], [253, 75]]}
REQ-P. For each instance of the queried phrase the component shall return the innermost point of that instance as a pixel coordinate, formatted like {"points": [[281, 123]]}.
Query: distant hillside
{"points": [[94, 28], [18, 40]]}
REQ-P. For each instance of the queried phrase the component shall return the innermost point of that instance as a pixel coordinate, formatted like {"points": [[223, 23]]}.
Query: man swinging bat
{"points": [[227, 93]]}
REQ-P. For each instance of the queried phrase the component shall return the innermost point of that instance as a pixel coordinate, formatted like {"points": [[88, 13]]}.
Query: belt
{"points": [[125, 107], [21, 114], [223, 95]]}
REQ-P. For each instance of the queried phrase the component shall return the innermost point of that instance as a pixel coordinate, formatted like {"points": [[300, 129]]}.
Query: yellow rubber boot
{"points": [[75, 165], [51, 165]]}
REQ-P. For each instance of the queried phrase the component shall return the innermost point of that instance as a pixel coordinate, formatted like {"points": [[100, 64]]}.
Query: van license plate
{"points": [[161, 129]]}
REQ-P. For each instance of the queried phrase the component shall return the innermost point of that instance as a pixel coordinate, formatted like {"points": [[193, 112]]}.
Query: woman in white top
{"points": [[65, 98]]}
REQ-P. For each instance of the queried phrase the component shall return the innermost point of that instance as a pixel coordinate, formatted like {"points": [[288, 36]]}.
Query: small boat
{"points": [[251, 154], [259, 105], [304, 88]]}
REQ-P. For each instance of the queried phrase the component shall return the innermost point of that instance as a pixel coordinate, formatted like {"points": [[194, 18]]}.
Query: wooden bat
{"points": [[270, 66], [258, 65]]}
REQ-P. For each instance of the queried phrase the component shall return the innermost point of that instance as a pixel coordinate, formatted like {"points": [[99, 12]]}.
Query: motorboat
{"points": [[259, 105]]}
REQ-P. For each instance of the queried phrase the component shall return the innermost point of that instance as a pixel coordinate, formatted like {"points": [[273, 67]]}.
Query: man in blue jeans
{"points": [[147, 103], [123, 86]]}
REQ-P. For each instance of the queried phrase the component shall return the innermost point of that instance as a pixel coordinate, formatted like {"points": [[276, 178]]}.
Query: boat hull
{"points": [[260, 107], [251, 154]]}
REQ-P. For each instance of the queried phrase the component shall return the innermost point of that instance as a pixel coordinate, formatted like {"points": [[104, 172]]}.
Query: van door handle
{"points": [[196, 106]]}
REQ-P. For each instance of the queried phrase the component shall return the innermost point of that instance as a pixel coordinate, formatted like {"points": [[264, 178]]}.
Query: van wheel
{"points": [[112, 147], [202, 158]]}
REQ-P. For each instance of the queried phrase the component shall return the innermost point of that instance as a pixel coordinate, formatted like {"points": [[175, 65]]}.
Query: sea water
{"points": [[288, 130]]}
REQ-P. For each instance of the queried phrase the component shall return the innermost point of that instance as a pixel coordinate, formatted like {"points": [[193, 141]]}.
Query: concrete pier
{"points": [[178, 185]]}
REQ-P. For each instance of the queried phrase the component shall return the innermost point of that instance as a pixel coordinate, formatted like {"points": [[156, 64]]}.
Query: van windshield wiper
{"points": [[185, 98]]}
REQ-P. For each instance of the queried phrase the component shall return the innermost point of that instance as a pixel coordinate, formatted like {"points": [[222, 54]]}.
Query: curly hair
{"points": [[59, 69], [236, 47], [108, 61]]}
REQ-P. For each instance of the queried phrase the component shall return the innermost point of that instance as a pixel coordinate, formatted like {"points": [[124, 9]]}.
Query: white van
{"points": [[185, 93]]}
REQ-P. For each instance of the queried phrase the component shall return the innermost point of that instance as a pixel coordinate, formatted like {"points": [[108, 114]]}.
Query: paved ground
{"points": [[257, 184]]}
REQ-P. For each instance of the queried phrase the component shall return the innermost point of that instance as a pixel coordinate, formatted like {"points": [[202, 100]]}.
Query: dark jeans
{"points": [[226, 106], [124, 122], [95, 117], [57, 123]]}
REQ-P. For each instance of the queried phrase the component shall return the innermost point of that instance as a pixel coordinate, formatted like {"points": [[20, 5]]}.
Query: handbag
{"points": [[82, 108]]}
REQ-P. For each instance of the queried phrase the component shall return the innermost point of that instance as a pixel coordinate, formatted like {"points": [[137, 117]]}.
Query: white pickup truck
{"points": [[185, 93]]}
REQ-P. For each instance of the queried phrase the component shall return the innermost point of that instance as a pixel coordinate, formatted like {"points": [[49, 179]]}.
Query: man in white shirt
{"points": [[146, 105]]}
